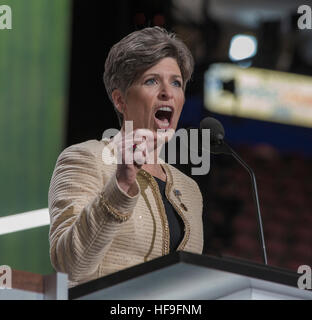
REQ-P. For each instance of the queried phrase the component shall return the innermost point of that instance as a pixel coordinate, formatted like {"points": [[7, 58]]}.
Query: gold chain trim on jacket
{"points": [[119, 216], [154, 224], [161, 209], [186, 223]]}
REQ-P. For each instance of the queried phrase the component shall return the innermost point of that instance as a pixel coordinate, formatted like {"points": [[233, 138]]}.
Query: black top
{"points": [[176, 225]]}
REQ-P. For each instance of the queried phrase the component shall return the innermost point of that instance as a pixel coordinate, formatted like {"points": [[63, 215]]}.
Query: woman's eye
{"points": [[177, 83], [150, 81]]}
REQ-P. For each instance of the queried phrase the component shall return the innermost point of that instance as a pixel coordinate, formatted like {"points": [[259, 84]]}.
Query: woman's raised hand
{"points": [[134, 149]]}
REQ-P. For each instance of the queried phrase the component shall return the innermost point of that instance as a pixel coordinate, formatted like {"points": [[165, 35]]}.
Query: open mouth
{"points": [[163, 116]]}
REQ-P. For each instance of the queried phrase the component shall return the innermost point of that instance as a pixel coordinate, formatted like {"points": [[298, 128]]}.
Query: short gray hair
{"points": [[129, 58]]}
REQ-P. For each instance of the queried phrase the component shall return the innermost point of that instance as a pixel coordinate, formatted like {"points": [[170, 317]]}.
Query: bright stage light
{"points": [[242, 47]]}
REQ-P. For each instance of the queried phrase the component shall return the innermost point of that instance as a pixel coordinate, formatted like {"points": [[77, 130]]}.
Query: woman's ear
{"points": [[118, 100]]}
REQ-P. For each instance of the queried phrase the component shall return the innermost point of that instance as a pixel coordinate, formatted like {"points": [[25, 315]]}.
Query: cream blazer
{"points": [[97, 229]]}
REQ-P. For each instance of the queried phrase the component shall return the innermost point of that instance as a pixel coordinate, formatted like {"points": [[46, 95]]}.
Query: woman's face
{"points": [[156, 99]]}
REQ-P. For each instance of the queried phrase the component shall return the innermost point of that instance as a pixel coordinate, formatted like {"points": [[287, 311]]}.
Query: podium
{"points": [[188, 276], [177, 276]]}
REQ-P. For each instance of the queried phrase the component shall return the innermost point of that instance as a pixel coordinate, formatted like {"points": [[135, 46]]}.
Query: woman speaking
{"points": [[106, 216]]}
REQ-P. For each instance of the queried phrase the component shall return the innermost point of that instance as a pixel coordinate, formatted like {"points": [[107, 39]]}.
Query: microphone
{"points": [[218, 146], [216, 129]]}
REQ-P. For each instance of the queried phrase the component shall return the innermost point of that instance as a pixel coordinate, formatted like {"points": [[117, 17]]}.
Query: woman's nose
{"points": [[165, 92]]}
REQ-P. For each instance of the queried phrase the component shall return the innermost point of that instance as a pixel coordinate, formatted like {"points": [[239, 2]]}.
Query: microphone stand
{"points": [[221, 147]]}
